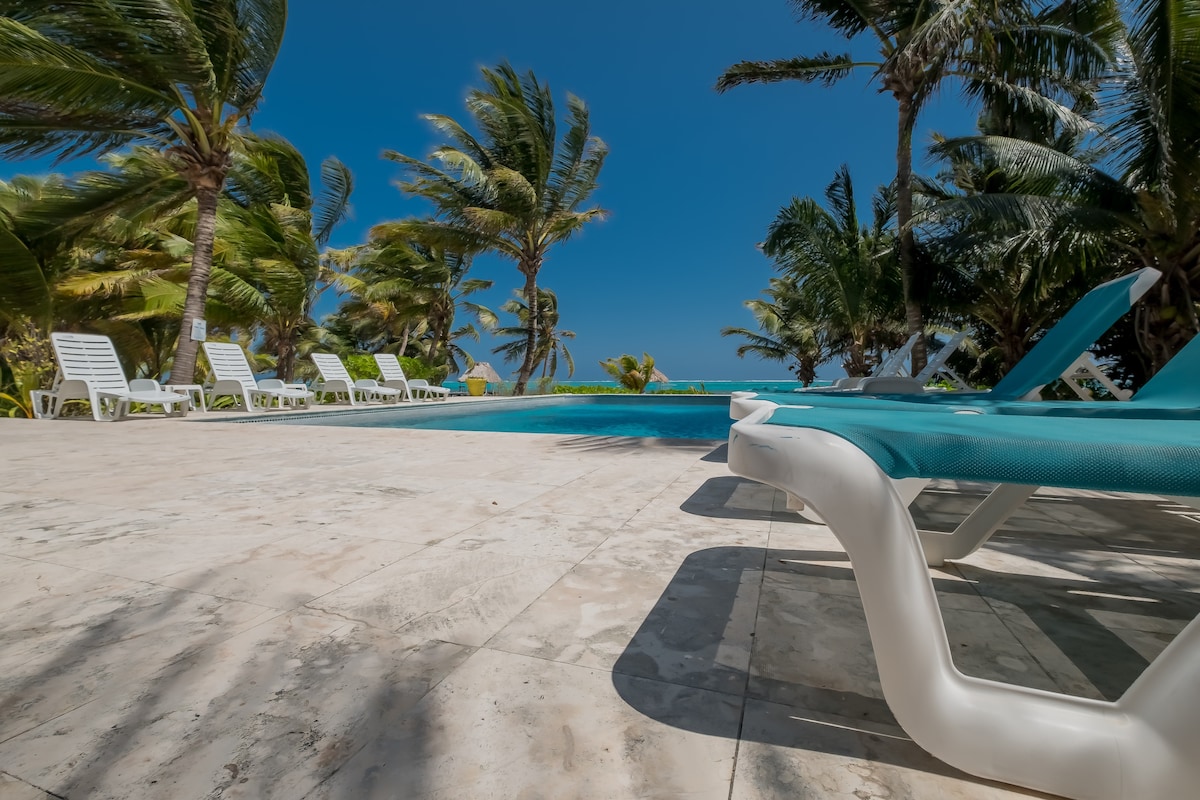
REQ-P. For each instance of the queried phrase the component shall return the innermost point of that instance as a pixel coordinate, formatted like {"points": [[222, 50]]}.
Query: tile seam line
{"points": [[591, 552], [34, 785]]}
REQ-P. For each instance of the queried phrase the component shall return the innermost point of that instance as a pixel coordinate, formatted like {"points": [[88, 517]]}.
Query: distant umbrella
{"points": [[658, 376], [482, 369]]}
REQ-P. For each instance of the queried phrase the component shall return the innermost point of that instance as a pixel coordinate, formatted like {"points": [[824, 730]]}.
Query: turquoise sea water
{"points": [[662, 416]]}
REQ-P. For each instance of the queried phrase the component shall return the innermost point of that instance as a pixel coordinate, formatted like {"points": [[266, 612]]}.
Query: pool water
{"points": [[707, 387], [671, 417]]}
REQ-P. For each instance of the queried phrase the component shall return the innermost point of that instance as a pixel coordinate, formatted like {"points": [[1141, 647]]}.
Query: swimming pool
{"points": [[665, 416], [706, 387]]}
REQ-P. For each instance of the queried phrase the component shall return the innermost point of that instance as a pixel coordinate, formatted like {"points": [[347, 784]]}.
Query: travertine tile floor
{"points": [[207, 610]]}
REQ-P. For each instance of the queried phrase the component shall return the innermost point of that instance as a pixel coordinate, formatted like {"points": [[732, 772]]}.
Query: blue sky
{"points": [[692, 180]]}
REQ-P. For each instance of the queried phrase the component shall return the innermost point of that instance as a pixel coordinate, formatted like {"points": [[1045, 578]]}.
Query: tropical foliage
{"points": [[629, 372], [403, 294], [549, 340], [1002, 52], [92, 76], [1084, 167], [515, 188], [839, 289]]}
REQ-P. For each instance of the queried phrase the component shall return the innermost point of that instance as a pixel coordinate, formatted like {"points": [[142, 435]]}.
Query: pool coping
{"points": [[437, 407]]}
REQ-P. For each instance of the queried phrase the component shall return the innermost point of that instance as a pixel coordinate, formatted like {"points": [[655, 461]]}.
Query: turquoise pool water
{"points": [[668, 416], [712, 387]]}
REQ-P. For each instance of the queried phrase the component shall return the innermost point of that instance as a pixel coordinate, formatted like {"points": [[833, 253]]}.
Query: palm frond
{"points": [[823, 68]]}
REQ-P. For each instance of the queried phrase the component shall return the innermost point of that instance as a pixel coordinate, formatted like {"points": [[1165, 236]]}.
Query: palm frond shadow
{"points": [[632, 443], [271, 732]]}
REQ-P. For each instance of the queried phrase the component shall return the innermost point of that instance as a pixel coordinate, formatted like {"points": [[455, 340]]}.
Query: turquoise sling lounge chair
{"points": [[1173, 393], [1056, 353], [844, 463]]}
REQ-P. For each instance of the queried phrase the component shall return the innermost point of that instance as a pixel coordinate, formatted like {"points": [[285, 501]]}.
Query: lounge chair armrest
{"points": [[145, 385], [896, 384]]}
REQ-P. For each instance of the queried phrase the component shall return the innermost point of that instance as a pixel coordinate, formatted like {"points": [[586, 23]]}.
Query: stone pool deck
{"points": [[208, 610]]}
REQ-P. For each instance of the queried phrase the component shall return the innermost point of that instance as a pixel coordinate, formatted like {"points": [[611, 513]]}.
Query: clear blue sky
{"points": [[692, 180]]}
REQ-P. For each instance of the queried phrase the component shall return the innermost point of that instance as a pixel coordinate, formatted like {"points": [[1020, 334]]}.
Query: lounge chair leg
{"points": [[978, 527], [37, 401]]}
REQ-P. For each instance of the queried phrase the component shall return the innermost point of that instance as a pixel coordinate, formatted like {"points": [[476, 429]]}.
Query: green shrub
{"points": [[26, 364], [688, 390], [361, 366], [591, 390], [416, 368]]}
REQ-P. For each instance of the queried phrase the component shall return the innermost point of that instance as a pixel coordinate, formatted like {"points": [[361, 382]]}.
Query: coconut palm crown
{"points": [[87, 76], [516, 188], [999, 49]]}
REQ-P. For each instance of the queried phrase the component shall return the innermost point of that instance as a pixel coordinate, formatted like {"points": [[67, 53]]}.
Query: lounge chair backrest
{"points": [[228, 363], [1077, 331], [1176, 385], [939, 359], [91, 359], [894, 362], [389, 367], [332, 368]]}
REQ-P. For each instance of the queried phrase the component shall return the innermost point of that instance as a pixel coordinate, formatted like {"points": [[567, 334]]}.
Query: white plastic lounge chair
{"points": [[88, 369], [890, 366], [232, 377], [393, 377], [1086, 369], [935, 368], [336, 380], [844, 462]]}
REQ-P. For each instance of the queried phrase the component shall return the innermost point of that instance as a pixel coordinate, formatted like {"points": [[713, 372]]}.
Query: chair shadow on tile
{"points": [[701, 634], [730, 497]]}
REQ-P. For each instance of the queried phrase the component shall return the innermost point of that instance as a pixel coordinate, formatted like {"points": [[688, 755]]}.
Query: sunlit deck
{"points": [[253, 611]]}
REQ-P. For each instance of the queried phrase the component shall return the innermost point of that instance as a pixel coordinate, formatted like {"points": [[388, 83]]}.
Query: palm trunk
{"points": [[184, 368], [285, 358], [904, 205], [531, 302], [856, 365], [441, 335], [404, 338]]}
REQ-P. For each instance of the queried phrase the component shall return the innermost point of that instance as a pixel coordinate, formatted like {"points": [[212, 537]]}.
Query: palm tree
{"points": [[271, 229], [1137, 203], [28, 272], [267, 266], [1000, 49], [93, 76], [31, 301], [407, 291], [1005, 280], [516, 189], [789, 329], [550, 339], [1144, 207], [629, 372], [840, 271], [379, 311]]}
